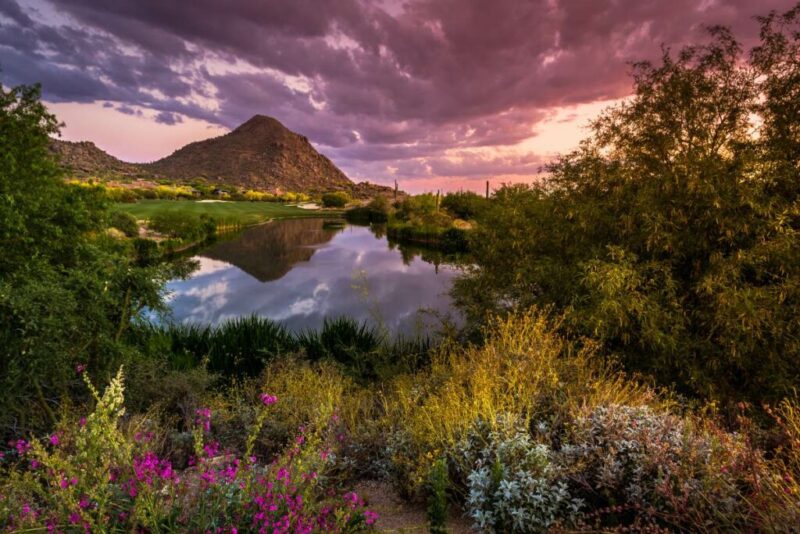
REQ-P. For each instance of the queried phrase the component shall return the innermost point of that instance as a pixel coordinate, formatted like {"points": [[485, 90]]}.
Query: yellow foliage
{"points": [[524, 370]]}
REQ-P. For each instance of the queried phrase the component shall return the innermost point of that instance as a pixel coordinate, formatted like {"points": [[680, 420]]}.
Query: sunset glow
{"points": [[433, 94]]}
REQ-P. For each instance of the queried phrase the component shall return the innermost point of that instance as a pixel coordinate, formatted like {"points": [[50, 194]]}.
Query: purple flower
{"points": [[370, 516], [268, 400], [80, 368], [22, 446], [55, 440]]}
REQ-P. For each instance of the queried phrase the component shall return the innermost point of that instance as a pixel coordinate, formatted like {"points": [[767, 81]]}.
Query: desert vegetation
{"points": [[629, 363]]}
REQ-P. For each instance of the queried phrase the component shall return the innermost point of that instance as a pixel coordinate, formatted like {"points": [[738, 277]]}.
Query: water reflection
{"points": [[300, 271]]}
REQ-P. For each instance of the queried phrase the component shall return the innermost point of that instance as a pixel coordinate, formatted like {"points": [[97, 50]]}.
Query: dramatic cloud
{"points": [[414, 89]]}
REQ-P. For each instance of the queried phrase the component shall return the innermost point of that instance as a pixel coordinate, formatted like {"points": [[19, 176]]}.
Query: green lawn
{"points": [[239, 213]]}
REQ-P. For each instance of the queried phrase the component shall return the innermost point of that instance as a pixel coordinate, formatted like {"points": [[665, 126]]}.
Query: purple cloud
{"points": [[385, 89]]}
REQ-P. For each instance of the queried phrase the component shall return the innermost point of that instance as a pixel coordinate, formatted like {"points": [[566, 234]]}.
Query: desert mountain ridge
{"points": [[261, 154]]}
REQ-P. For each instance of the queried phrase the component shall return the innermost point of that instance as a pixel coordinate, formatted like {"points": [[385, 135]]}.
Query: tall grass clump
{"points": [[236, 348]]}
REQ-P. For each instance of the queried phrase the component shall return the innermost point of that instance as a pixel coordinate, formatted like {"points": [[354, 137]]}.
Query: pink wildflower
{"points": [[22, 446], [82, 422], [54, 440], [268, 400], [211, 449], [80, 368], [370, 516]]}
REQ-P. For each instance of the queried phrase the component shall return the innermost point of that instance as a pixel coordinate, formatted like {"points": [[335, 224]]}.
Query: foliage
{"points": [[465, 205], [639, 467], [97, 477], [513, 487], [437, 499], [67, 290], [335, 200], [523, 368], [244, 346], [670, 235], [125, 223], [185, 226], [376, 211]]}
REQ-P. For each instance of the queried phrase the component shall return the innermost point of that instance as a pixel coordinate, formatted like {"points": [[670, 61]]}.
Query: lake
{"points": [[299, 272]]}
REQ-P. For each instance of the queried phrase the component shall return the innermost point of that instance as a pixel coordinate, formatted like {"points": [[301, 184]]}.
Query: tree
{"points": [[68, 291], [670, 235]]}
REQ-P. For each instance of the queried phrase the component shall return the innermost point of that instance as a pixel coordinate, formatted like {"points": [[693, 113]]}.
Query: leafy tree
{"points": [[670, 235], [67, 291]]}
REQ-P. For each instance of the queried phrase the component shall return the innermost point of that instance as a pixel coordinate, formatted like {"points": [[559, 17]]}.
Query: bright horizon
{"points": [[433, 94]]}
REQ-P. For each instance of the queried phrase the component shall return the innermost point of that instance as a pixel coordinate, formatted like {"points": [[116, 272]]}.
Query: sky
{"points": [[436, 94]]}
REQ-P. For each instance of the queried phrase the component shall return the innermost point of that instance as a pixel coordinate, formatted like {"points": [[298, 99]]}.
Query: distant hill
{"points": [[85, 159], [261, 154]]}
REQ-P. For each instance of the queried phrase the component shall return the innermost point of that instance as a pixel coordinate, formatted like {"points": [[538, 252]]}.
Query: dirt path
{"points": [[397, 515]]}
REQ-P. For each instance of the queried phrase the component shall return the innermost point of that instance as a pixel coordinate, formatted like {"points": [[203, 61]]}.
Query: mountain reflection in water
{"points": [[300, 271]]}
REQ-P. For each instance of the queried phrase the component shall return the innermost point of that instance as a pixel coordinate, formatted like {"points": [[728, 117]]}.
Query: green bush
{"points": [[125, 223], [466, 205], [377, 211], [185, 226], [335, 200]]}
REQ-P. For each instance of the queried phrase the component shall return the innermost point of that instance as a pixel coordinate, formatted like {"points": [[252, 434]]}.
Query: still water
{"points": [[300, 271]]}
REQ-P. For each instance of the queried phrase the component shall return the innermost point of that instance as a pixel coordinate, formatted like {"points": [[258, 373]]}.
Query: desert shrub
{"points": [[636, 466], [523, 368], [124, 222], [419, 205], [335, 200], [99, 475], [513, 487]]}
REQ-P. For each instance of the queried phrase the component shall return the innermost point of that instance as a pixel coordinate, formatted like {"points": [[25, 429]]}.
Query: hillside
{"points": [[261, 154], [84, 158]]}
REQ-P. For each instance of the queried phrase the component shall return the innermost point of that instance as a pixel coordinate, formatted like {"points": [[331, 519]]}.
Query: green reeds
{"points": [[242, 347]]}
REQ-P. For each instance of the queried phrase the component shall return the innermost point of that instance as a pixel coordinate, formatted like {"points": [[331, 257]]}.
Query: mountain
{"points": [[85, 159], [261, 154]]}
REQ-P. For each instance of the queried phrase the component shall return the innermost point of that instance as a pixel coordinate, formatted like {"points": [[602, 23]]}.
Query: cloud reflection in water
{"points": [[300, 273]]}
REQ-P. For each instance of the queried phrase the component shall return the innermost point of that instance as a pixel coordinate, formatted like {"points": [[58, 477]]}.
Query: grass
{"points": [[244, 346], [226, 213]]}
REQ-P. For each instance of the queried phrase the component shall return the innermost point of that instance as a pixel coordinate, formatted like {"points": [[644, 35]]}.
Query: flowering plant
{"points": [[96, 478]]}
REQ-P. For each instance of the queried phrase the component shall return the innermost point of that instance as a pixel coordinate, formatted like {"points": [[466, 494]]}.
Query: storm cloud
{"points": [[414, 89]]}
